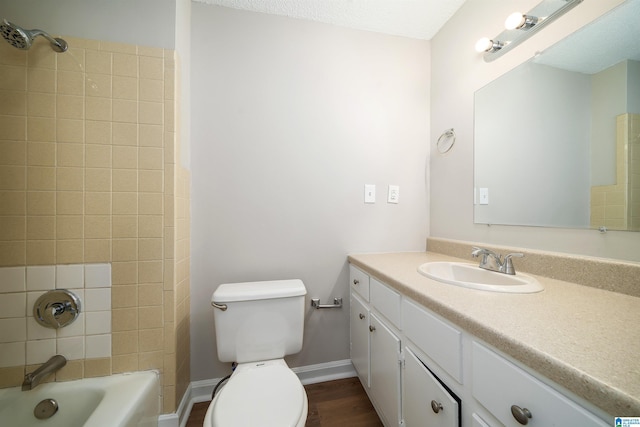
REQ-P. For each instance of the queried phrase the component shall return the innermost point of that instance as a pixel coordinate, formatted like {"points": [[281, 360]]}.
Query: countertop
{"points": [[585, 339]]}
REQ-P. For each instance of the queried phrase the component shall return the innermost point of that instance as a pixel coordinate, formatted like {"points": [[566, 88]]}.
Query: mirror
{"points": [[557, 139]]}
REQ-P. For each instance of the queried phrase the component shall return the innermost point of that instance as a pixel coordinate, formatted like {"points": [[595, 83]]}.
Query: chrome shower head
{"points": [[20, 38]]}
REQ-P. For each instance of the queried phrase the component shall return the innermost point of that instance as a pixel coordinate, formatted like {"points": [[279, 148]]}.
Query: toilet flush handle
{"points": [[222, 307]]}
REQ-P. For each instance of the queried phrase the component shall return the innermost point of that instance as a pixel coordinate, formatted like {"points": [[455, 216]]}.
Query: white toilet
{"points": [[257, 324]]}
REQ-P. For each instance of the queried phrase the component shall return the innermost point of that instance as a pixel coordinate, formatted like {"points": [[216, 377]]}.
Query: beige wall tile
{"points": [[98, 85], [125, 88], [124, 363], [125, 134], [97, 250], [11, 377], [13, 227], [98, 108], [151, 90], [41, 203], [97, 226], [13, 178], [40, 129], [41, 252], [97, 132], [13, 103], [151, 158], [150, 271], [150, 51], [150, 249], [69, 251], [98, 62], [98, 179], [125, 65], [13, 127], [41, 104], [150, 360], [73, 370], [125, 226], [125, 111], [68, 130], [70, 83], [13, 253], [69, 203], [151, 339], [41, 153], [124, 273], [70, 107], [125, 319], [41, 178], [151, 113], [69, 179], [72, 60], [97, 367], [150, 226], [125, 250], [150, 294], [40, 227], [151, 68], [125, 180], [13, 153], [69, 226], [41, 80], [150, 203], [151, 181], [151, 136], [125, 157], [13, 78], [124, 296], [42, 56], [70, 154], [98, 156], [125, 203], [123, 342]]}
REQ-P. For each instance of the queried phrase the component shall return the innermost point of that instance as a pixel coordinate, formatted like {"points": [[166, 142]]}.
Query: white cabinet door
{"points": [[359, 326], [426, 402], [385, 371]]}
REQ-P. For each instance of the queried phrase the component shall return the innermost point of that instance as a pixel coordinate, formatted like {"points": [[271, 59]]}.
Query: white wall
{"points": [[143, 22], [457, 72], [290, 119]]}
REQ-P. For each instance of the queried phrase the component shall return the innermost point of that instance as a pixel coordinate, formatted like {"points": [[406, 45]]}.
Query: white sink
{"points": [[473, 277]]}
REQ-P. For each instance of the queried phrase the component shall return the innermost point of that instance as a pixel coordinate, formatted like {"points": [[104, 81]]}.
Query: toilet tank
{"points": [[262, 321]]}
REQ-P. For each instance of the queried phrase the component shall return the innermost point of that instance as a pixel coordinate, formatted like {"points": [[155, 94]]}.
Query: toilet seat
{"points": [[265, 394]]}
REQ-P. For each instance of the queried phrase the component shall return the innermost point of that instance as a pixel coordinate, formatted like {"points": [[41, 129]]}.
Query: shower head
{"points": [[20, 38]]}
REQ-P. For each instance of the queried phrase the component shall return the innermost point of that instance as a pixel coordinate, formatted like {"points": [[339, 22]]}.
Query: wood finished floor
{"points": [[331, 404]]}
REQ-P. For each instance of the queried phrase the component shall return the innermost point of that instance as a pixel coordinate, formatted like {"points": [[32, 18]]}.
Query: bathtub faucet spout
{"points": [[34, 378]]}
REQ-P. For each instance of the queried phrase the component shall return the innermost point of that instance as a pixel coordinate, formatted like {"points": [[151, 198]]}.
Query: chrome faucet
{"points": [[493, 261], [34, 378]]}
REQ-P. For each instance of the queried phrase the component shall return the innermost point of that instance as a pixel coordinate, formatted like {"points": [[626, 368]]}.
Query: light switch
{"points": [[369, 193], [484, 196], [394, 194]]}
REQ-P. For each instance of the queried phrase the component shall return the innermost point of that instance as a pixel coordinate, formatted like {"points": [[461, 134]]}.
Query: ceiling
{"points": [[420, 19]]}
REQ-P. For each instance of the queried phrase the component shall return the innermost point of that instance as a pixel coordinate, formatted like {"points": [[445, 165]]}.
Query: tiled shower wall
{"points": [[89, 175], [617, 206]]}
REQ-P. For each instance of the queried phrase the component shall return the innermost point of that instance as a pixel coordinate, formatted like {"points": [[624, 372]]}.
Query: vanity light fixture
{"points": [[520, 21], [521, 26]]}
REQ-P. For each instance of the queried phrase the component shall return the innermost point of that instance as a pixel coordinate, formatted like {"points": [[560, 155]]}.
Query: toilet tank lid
{"points": [[248, 291]]}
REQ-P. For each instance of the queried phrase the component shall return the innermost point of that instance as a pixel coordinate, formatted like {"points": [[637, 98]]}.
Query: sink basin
{"points": [[473, 277]]}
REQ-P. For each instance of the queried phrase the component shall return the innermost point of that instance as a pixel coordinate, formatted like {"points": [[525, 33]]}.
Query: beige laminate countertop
{"points": [[583, 338]]}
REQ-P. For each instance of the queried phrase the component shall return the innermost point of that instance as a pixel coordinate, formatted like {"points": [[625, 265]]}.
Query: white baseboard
{"points": [[200, 391]]}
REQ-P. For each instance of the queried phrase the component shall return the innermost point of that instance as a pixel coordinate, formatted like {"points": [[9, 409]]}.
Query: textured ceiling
{"points": [[420, 19]]}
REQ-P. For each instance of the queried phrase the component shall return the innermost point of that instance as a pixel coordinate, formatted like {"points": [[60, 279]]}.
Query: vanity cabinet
{"points": [[427, 402], [516, 398], [420, 370]]}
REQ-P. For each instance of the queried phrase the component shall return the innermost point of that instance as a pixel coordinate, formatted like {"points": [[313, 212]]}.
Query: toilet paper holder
{"points": [[315, 303]]}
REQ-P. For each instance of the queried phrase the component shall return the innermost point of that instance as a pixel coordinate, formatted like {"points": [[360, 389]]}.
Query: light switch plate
{"points": [[394, 194], [484, 196], [369, 193]]}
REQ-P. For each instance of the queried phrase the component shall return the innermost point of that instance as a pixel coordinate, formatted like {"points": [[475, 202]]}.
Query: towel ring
{"points": [[446, 141]]}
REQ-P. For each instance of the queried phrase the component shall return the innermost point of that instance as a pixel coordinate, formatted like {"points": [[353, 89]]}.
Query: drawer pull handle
{"points": [[436, 406], [521, 415], [361, 316], [356, 281], [372, 328]]}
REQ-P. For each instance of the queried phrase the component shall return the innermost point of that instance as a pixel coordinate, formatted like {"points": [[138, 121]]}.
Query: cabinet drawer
{"points": [[438, 340], [386, 301], [498, 384], [359, 282]]}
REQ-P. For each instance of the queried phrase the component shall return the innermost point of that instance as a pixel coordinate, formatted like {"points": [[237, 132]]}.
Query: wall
{"points": [[89, 173], [457, 72], [289, 120]]}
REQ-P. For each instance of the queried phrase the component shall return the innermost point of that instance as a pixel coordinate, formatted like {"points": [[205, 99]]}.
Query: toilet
{"points": [[257, 324]]}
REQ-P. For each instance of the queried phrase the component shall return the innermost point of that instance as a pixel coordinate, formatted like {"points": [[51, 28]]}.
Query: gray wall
{"points": [[290, 119], [143, 22]]}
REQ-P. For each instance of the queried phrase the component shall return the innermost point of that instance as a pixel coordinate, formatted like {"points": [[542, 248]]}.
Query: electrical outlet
{"points": [[394, 194], [369, 193]]}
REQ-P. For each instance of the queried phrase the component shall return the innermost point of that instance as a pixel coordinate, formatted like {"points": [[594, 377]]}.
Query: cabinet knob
{"points": [[521, 415], [436, 406], [356, 281], [372, 328], [361, 316]]}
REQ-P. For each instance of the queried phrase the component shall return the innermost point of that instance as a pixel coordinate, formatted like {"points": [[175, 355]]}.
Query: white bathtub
{"points": [[117, 401]]}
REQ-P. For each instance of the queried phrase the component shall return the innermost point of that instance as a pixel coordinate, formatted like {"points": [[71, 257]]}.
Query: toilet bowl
{"points": [[257, 324], [264, 394]]}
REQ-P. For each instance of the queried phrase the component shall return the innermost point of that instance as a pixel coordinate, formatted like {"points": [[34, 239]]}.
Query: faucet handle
{"points": [[508, 264]]}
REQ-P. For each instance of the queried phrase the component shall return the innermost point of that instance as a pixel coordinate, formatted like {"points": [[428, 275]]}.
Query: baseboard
{"points": [[200, 391]]}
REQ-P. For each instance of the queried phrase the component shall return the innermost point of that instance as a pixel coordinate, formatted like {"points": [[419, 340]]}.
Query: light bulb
{"points": [[484, 45], [515, 20]]}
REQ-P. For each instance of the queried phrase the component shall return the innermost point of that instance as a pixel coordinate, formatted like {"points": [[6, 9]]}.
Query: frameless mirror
{"points": [[557, 139]]}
